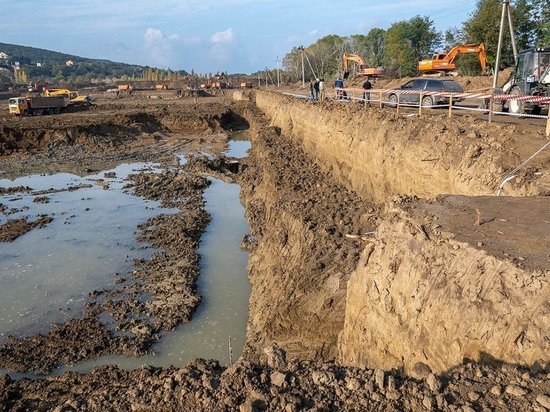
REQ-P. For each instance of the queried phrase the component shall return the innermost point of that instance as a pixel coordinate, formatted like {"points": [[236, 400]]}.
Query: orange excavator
{"points": [[362, 69], [442, 62]]}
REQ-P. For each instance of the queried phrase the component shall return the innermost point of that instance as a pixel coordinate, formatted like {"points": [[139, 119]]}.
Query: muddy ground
{"points": [[308, 232]]}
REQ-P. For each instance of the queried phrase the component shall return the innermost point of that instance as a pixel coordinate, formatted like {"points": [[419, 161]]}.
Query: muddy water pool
{"points": [[219, 324], [46, 274]]}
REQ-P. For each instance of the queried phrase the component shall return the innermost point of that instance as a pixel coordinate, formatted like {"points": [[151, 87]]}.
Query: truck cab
{"points": [[531, 77], [16, 105]]}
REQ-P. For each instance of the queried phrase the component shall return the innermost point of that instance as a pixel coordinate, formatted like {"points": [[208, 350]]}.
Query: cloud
{"points": [[159, 47], [313, 32], [192, 40], [227, 36]]}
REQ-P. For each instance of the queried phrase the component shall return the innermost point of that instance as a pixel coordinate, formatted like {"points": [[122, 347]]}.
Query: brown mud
{"points": [[14, 228], [380, 301]]}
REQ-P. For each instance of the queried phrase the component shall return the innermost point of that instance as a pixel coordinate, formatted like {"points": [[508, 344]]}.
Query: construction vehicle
{"points": [[74, 98], [531, 77], [361, 69], [445, 62], [37, 105]]}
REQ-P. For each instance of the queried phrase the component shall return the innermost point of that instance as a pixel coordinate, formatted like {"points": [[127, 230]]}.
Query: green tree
{"points": [[408, 42], [374, 47]]}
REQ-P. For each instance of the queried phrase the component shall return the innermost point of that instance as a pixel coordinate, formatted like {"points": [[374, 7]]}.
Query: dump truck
{"points": [[37, 105]]}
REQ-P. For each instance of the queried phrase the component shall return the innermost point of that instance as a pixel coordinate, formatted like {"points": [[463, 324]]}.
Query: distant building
{"points": [[69, 63], [38, 64], [4, 56]]}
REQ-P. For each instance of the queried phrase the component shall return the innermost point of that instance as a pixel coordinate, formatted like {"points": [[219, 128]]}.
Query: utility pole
{"points": [[505, 12], [266, 77], [301, 48], [278, 76]]}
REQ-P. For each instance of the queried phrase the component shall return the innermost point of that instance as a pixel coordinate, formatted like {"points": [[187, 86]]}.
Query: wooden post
{"points": [[398, 101], [451, 106], [491, 109], [380, 98], [548, 124], [420, 104]]}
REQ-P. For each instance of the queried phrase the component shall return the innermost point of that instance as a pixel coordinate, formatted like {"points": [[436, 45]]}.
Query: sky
{"points": [[236, 36]]}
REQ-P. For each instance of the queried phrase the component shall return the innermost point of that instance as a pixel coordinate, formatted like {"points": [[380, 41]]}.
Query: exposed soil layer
{"points": [[307, 234], [14, 228], [130, 130], [280, 386], [452, 279], [378, 153]]}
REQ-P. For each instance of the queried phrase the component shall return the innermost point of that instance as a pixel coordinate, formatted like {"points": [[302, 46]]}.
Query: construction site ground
{"points": [[385, 272]]}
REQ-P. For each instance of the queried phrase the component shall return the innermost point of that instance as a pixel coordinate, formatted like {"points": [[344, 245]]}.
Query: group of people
{"points": [[317, 89]]}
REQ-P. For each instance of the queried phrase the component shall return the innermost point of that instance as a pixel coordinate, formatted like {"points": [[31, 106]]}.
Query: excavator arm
{"points": [[363, 69], [446, 63]]}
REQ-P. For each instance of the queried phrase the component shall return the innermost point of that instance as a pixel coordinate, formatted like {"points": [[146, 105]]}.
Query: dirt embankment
{"points": [[107, 134], [422, 292], [452, 279], [304, 236], [378, 153]]}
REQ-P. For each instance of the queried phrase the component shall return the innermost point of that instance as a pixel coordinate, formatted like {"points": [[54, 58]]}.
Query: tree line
{"points": [[399, 48]]}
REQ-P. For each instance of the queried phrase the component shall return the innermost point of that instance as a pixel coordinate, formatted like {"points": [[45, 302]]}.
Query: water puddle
{"points": [[46, 274], [218, 327], [239, 144]]}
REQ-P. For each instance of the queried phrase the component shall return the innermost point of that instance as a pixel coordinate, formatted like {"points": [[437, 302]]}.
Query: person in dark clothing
{"points": [[367, 86], [316, 88], [312, 90], [339, 84]]}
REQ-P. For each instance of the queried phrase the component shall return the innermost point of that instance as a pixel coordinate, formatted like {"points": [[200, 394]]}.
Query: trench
{"points": [[218, 327]]}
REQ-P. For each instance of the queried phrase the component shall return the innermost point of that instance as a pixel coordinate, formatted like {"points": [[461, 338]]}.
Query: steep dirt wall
{"points": [[379, 153], [304, 231], [438, 285]]}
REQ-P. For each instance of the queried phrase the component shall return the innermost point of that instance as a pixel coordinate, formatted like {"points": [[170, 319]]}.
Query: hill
{"points": [[45, 64]]}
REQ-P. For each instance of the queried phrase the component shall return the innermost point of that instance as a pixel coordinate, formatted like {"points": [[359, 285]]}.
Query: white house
{"points": [[69, 63], [4, 56]]}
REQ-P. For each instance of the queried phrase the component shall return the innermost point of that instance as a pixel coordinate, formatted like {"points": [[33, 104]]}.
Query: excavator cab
{"points": [[531, 77]]}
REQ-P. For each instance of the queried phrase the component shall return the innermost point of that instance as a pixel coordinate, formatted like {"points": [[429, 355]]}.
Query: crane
{"points": [[442, 62], [363, 69]]}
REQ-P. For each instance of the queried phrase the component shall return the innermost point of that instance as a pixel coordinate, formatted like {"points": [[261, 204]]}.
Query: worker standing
{"points": [[367, 86], [323, 89], [312, 90], [316, 88], [339, 85]]}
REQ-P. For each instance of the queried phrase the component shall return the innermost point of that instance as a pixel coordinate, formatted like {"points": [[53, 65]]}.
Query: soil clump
{"points": [[14, 228], [280, 386]]}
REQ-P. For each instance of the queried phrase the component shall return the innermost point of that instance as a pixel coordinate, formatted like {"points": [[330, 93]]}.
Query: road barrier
{"points": [[487, 101]]}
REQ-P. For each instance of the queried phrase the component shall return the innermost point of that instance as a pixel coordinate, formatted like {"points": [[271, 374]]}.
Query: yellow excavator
{"points": [[445, 62], [362, 69], [74, 98]]}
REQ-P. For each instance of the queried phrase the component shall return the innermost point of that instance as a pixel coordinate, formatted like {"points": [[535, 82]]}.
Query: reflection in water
{"points": [[223, 284], [47, 273]]}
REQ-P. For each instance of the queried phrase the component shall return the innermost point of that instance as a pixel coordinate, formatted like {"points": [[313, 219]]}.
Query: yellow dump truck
{"points": [[37, 105]]}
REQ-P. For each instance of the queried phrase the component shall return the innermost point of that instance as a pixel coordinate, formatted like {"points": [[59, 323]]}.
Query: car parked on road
{"points": [[426, 85]]}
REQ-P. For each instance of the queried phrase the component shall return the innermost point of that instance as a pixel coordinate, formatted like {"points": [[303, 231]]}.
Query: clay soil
{"points": [[308, 232]]}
